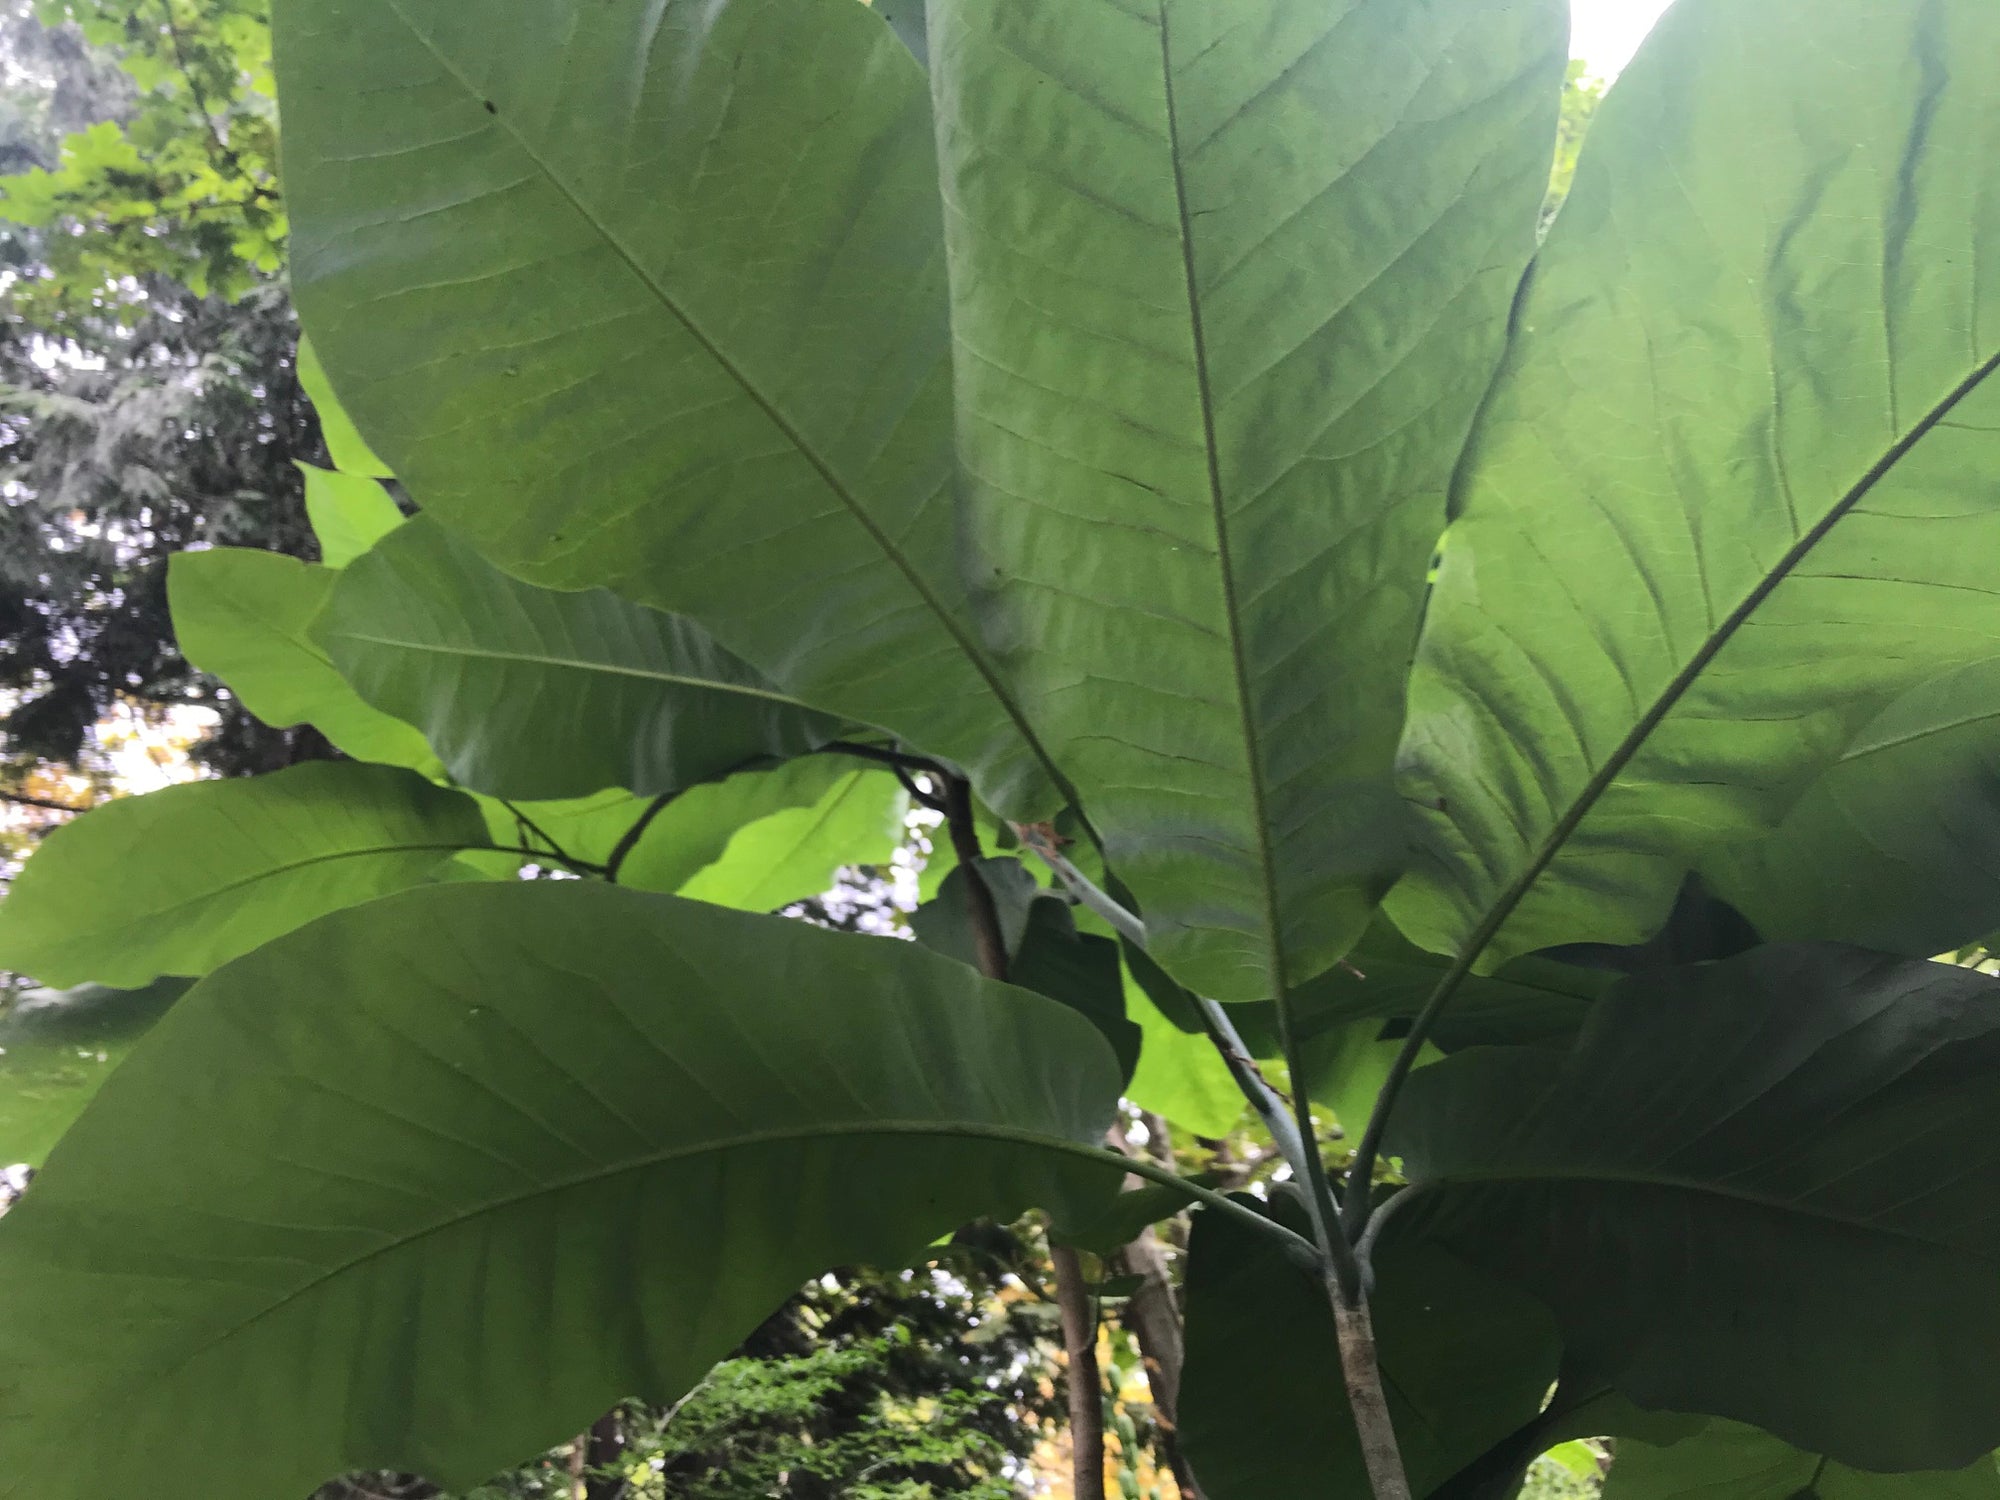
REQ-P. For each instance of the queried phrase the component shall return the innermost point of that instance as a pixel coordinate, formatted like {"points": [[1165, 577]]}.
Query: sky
{"points": [[1604, 32]]}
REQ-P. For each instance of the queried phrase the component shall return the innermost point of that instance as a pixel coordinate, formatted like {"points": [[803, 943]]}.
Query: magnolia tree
{"points": [[1535, 705]]}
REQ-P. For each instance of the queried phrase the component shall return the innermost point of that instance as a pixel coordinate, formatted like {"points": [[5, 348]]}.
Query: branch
{"points": [[555, 851], [887, 757], [544, 856], [1363, 1371], [47, 804], [224, 156], [988, 940], [629, 840], [1283, 1123]]}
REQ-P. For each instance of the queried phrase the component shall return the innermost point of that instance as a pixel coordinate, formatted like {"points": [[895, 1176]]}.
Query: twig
{"points": [[47, 804], [629, 840], [573, 865], [989, 942]]}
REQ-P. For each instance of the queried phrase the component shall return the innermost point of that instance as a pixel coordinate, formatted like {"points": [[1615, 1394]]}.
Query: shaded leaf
{"points": [[529, 693], [944, 923], [1120, 1221], [504, 1154], [1728, 1461], [1227, 283], [1081, 970], [1757, 1189], [1263, 1410], [183, 880]]}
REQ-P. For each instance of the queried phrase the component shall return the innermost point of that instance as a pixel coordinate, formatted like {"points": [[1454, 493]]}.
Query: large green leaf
{"points": [[529, 693], [429, 1183], [56, 1049], [1263, 1405], [1897, 846], [1760, 1189], [1728, 1461], [650, 294], [181, 881], [1227, 283], [245, 616], [1733, 491], [793, 854]]}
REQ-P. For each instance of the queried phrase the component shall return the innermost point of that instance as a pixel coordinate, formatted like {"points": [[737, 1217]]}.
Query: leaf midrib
{"points": [[272, 872], [967, 646], [1677, 688], [576, 664], [1666, 1183], [604, 1172], [1274, 954]]}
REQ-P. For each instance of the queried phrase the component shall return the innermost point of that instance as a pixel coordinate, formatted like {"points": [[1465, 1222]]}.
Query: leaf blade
{"points": [[183, 880], [580, 1101], [1213, 376], [779, 467], [531, 694], [1738, 503], [1752, 1123]]}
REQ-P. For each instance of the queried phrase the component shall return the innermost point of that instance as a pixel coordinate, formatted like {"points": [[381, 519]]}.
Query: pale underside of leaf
{"points": [[1722, 505], [1227, 283], [648, 295]]}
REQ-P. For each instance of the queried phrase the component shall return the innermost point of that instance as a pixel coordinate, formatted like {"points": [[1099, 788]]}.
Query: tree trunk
{"points": [[1155, 1320], [1086, 1383]]}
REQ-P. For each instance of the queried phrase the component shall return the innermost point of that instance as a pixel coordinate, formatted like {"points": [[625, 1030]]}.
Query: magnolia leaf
{"points": [[1755, 1189], [56, 1049], [349, 513], [1732, 494], [529, 693], [1728, 1461], [1263, 1409], [1079, 969], [1126, 1216], [183, 880], [245, 616], [684, 337], [794, 854], [1893, 846], [1180, 1075], [944, 923], [1345, 1067], [1389, 978], [1227, 283], [426, 1185]]}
